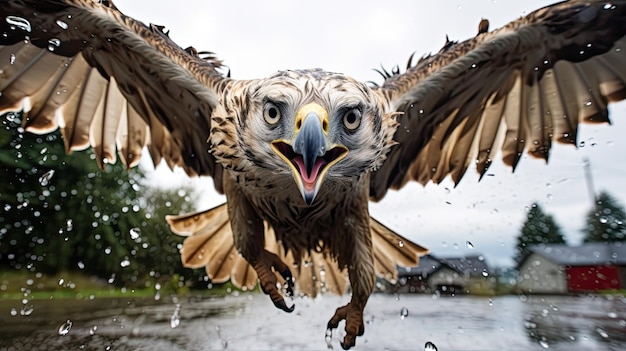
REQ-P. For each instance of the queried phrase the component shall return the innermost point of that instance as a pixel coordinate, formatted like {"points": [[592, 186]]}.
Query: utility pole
{"points": [[589, 179]]}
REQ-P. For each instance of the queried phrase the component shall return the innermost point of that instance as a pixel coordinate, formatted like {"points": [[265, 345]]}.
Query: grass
{"points": [[18, 285]]}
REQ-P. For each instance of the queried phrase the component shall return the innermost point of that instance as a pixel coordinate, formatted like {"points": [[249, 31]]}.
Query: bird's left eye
{"points": [[271, 113], [352, 118]]}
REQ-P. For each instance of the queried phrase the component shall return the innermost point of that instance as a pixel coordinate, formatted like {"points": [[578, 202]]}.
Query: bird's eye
{"points": [[271, 113], [352, 118]]}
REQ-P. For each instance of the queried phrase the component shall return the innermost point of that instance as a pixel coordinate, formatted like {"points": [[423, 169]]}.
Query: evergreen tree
{"points": [[539, 228], [605, 222], [62, 213]]}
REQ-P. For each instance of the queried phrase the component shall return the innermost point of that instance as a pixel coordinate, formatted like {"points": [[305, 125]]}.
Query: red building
{"points": [[561, 269]]}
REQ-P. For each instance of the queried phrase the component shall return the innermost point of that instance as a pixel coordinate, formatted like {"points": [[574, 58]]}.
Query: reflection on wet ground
{"points": [[250, 322]]}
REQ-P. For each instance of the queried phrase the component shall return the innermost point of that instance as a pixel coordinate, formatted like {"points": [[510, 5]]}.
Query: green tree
{"points": [[539, 228], [62, 213], [605, 222]]}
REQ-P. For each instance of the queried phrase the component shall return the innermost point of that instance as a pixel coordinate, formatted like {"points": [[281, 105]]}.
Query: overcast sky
{"points": [[256, 39]]}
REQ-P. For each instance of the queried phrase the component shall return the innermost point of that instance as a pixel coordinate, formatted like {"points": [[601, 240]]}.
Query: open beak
{"points": [[309, 154]]}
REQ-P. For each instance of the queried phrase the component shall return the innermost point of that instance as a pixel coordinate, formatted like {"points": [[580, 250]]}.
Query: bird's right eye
{"points": [[271, 113]]}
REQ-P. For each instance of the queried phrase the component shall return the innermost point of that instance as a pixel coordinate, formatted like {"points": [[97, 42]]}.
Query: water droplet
{"points": [[93, 329], [329, 338], [44, 180], [469, 245], [65, 328], [401, 243], [544, 344], [69, 225], [125, 263], [175, 319], [19, 22], [404, 312], [62, 24], [12, 59], [135, 233], [602, 333], [429, 346], [27, 310], [485, 273]]}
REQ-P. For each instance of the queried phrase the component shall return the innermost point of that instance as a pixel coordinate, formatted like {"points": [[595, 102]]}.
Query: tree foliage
{"points": [[539, 228], [61, 213], [606, 221]]}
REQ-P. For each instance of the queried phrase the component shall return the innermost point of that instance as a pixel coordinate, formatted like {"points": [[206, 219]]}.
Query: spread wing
{"points": [[107, 81], [515, 89]]}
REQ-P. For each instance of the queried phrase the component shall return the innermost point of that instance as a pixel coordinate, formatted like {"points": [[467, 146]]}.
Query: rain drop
{"points": [[401, 243], [44, 180], [329, 338], [93, 329], [429, 346], [65, 328], [18, 22], [62, 24], [26, 310], [134, 233], [469, 245], [12, 59], [485, 273], [404, 312], [175, 319], [125, 263]]}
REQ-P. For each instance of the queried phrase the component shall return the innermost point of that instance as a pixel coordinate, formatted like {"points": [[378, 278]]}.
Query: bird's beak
{"points": [[309, 154]]}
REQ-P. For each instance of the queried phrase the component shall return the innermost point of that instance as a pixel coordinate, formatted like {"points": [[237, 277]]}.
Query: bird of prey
{"points": [[299, 154]]}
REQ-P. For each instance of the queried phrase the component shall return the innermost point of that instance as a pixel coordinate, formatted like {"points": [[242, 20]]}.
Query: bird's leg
{"points": [[249, 237], [362, 280], [267, 279]]}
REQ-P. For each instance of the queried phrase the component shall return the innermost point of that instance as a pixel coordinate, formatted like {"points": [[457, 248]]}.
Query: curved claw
{"points": [[354, 324], [268, 280]]}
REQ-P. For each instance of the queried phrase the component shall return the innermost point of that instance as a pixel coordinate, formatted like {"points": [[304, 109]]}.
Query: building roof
{"points": [[429, 264], [473, 265], [583, 255]]}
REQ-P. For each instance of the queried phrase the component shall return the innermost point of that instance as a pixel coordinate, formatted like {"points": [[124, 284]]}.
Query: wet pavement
{"points": [[250, 322]]}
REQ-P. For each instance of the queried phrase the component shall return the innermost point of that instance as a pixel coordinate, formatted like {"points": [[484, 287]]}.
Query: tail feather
{"points": [[209, 244]]}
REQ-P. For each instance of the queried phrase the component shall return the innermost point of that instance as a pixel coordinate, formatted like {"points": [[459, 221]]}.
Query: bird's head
{"points": [[311, 125]]}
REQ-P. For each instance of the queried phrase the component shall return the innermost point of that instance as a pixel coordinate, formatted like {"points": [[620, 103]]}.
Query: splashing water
{"points": [[429, 346], [175, 319], [44, 180], [19, 22], [404, 312], [65, 328]]}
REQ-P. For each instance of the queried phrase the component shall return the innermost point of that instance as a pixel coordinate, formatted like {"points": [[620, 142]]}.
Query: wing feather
{"points": [[512, 90], [109, 82]]}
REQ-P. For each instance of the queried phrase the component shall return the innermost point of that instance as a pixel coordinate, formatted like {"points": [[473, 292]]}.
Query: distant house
{"points": [[452, 275], [562, 269]]}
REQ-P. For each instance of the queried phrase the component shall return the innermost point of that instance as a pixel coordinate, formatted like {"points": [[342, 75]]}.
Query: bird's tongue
{"points": [[309, 180]]}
